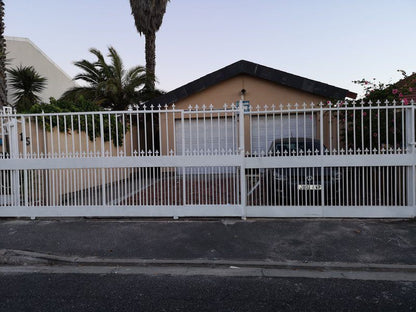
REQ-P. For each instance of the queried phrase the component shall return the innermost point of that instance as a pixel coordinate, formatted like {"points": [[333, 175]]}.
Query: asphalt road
{"points": [[111, 292]]}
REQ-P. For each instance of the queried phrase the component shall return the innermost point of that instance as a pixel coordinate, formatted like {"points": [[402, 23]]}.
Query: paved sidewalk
{"points": [[300, 240]]}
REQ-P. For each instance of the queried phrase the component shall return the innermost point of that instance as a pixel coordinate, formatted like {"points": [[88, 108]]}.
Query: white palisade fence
{"points": [[343, 159]]}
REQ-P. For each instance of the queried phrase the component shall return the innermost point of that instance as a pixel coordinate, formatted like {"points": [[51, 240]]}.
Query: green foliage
{"points": [[382, 125], [399, 91], [108, 84], [27, 84], [89, 123]]}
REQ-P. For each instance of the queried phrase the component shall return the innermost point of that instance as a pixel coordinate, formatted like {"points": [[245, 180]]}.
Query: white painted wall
{"points": [[25, 52]]}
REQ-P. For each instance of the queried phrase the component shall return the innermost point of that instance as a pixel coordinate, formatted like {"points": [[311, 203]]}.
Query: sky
{"points": [[332, 41]]}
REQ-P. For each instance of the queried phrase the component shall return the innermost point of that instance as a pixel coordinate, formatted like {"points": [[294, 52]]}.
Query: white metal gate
{"points": [[327, 160]]}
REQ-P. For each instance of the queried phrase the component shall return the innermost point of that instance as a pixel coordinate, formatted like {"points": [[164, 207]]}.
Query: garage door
{"points": [[266, 129], [217, 135], [214, 136]]}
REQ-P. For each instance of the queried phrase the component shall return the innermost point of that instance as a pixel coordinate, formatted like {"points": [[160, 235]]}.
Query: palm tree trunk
{"points": [[3, 87], [150, 49]]}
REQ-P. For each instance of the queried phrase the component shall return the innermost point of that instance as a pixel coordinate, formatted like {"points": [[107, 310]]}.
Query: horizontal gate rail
{"points": [[331, 161], [123, 210], [121, 162]]}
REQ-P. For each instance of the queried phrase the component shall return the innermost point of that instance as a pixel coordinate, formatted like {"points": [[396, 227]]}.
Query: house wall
{"points": [[22, 51], [258, 92]]}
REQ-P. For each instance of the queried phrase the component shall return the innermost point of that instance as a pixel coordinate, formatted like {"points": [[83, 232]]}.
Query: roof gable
{"points": [[255, 70]]}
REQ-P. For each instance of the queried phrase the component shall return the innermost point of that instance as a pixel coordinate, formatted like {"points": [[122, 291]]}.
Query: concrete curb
{"points": [[231, 271], [10, 257]]}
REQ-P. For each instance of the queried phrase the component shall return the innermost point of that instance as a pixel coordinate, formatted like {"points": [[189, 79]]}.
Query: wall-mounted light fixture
{"points": [[242, 94]]}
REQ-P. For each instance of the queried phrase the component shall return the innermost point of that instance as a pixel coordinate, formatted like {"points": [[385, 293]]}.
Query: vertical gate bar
{"points": [[183, 155], [346, 127], [397, 189], [266, 130], [243, 163], [30, 137], [145, 132], [199, 153], [175, 152], [94, 139], [37, 137], [210, 170], [155, 181], [79, 135], [403, 138], [123, 120], [411, 147], [87, 140], [321, 137], [354, 128], [138, 133], [167, 170], [379, 185], [58, 134], [102, 155], [116, 134], [297, 129], [131, 133], [152, 122], [362, 127], [25, 177], [378, 128], [73, 136], [234, 120], [370, 132], [338, 128], [95, 191], [387, 126], [51, 137], [227, 198], [46, 174], [395, 129], [66, 136], [14, 183]]}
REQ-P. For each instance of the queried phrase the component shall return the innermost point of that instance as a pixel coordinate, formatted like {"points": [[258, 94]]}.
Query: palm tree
{"points": [[109, 85], [3, 88], [148, 16], [27, 84]]}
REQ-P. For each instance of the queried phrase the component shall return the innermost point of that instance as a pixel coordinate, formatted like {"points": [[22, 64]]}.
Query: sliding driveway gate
{"points": [[344, 159]]}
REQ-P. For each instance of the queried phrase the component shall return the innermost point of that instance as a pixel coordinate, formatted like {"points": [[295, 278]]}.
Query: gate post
{"points": [[411, 149], [243, 189], [13, 153], [103, 186]]}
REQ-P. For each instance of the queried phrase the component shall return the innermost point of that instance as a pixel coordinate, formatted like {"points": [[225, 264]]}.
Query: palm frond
{"points": [[27, 83], [148, 14], [108, 83]]}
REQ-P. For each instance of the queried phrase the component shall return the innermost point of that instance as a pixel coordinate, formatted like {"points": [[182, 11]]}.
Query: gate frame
{"points": [[16, 164]]}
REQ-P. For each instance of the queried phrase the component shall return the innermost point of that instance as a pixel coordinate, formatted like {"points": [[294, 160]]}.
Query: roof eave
{"points": [[258, 71]]}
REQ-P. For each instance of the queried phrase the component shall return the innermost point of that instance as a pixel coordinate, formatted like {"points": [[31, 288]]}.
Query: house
{"points": [[255, 84], [22, 51]]}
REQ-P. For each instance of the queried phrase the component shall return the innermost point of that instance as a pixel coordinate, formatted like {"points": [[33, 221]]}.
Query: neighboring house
{"points": [[22, 51], [258, 84]]}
